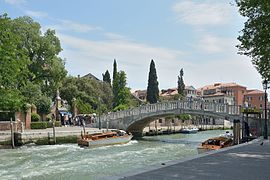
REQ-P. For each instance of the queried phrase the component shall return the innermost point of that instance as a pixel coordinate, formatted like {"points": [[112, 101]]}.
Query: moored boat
{"points": [[106, 138], [189, 130], [215, 144]]}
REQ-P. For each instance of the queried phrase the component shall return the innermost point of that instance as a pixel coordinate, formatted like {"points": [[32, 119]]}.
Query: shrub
{"points": [[38, 125], [35, 117], [56, 124], [48, 118]]}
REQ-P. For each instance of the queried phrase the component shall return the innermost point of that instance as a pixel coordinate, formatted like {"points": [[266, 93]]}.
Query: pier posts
{"points": [[236, 131], [12, 134], [54, 137]]}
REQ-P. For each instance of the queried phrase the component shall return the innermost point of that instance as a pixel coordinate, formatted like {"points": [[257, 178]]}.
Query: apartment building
{"points": [[230, 93], [255, 98]]}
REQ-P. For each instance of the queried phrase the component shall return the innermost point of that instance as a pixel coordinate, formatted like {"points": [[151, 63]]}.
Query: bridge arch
{"points": [[135, 119]]}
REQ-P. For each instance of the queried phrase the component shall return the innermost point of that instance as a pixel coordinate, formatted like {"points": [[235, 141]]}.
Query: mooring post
{"points": [[54, 137], [49, 140], [12, 134]]}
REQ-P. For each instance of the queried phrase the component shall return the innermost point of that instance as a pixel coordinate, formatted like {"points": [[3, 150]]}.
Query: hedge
{"points": [[35, 117], [38, 125], [56, 124]]}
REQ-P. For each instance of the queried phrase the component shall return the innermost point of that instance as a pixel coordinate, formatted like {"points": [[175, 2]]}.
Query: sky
{"points": [[197, 35]]}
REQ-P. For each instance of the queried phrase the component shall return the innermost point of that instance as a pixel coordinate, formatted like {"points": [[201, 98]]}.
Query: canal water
{"points": [[69, 161]]}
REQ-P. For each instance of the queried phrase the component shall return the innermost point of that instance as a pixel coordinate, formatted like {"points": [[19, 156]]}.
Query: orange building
{"points": [[255, 98], [233, 89]]}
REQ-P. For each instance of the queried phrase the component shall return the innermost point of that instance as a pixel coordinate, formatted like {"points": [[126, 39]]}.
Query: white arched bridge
{"points": [[136, 119]]}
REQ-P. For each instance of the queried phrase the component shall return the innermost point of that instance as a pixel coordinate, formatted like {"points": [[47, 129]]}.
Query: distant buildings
{"points": [[233, 94], [227, 93], [190, 92], [255, 98]]}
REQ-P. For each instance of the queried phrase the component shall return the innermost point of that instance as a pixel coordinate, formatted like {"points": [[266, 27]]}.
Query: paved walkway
{"points": [[246, 161]]}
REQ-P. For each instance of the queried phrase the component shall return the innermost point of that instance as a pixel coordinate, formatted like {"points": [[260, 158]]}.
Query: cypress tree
{"points": [[114, 69], [107, 77], [152, 88], [181, 84], [115, 83]]}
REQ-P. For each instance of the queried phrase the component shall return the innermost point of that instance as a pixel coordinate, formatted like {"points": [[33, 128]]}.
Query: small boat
{"points": [[215, 144], [227, 134], [189, 130], [106, 138]]}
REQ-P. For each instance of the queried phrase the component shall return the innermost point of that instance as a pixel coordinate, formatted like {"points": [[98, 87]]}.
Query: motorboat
{"points": [[215, 143], [189, 130], [105, 138]]}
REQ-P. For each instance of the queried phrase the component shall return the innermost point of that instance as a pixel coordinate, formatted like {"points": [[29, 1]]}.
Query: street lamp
{"points": [[265, 87]]}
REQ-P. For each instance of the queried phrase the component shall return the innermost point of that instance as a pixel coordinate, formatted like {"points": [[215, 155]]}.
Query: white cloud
{"points": [[115, 36], [15, 2], [209, 43], [201, 14], [84, 56], [36, 14], [67, 25]]}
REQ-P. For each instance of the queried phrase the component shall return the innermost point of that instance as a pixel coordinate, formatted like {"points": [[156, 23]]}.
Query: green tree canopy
{"points": [[255, 37], [122, 94], [29, 62], [152, 88], [107, 77], [86, 92]]}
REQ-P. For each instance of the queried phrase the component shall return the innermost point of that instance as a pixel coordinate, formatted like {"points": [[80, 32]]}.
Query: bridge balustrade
{"points": [[173, 105]]}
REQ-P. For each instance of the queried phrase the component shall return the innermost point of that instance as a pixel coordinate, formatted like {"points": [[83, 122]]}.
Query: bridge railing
{"points": [[173, 105]]}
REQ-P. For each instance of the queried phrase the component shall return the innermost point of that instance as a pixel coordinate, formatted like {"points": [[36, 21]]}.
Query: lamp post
{"points": [[265, 87]]}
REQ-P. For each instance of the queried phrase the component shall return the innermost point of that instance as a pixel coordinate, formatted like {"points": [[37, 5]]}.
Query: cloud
{"points": [[209, 43], [84, 56], [202, 14], [67, 25], [36, 14], [15, 2], [115, 36]]}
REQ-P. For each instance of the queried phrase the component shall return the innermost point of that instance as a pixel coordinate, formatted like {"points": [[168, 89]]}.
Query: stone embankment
{"points": [[45, 136]]}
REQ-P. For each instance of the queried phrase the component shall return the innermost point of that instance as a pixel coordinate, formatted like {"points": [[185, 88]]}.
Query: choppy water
{"points": [[69, 161]]}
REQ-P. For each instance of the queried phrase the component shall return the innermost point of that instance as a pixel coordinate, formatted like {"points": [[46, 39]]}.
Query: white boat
{"points": [[189, 130], [107, 138]]}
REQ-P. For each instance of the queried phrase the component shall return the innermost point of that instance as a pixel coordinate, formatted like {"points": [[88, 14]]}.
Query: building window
{"points": [[261, 105], [160, 121], [261, 98]]}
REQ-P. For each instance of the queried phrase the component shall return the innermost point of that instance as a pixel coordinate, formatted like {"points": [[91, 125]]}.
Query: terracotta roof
{"points": [[254, 91], [218, 85]]}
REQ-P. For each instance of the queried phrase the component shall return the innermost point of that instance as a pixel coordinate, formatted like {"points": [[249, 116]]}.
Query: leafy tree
{"points": [[46, 68], [84, 108], [43, 105], [86, 91], [122, 94], [107, 77], [29, 65], [10, 100], [31, 92], [13, 61], [181, 84], [255, 37], [152, 88], [13, 67]]}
